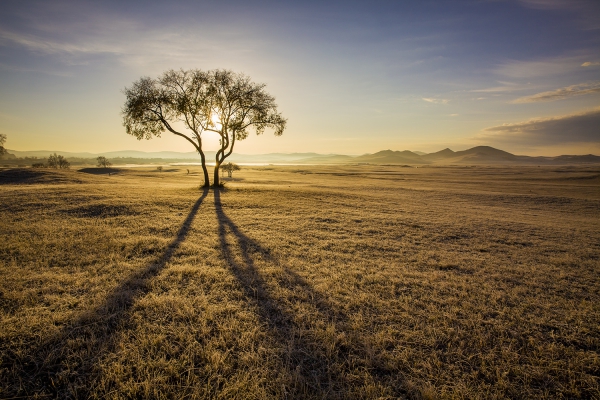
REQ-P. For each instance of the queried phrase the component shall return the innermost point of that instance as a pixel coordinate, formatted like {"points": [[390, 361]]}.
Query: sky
{"points": [[351, 77]]}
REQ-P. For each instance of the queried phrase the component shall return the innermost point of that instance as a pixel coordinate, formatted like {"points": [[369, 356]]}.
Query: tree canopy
{"points": [[238, 105], [220, 101]]}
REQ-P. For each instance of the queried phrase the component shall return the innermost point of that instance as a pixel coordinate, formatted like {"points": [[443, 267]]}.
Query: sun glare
{"points": [[216, 121]]}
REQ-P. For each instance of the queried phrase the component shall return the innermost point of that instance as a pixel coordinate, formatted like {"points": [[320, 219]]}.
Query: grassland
{"points": [[301, 282]]}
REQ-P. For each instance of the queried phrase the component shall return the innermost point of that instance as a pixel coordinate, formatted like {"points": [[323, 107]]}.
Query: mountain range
{"points": [[475, 156]]}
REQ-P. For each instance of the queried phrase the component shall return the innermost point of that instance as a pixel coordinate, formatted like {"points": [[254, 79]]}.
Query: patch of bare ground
{"points": [[319, 282]]}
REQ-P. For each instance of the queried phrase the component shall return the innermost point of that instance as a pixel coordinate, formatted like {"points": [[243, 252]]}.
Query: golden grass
{"points": [[301, 282]]}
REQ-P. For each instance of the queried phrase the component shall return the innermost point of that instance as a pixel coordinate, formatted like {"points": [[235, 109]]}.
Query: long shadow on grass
{"points": [[316, 368], [63, 366]]}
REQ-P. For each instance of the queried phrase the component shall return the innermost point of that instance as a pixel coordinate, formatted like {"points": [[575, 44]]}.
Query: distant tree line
{"points": [[54, 161]]}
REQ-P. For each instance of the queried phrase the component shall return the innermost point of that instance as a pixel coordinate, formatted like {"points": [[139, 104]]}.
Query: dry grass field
{"points": [[301, 282]]}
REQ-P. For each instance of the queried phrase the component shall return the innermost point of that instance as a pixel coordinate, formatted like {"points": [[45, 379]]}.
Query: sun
{"points": [[216, 121]]}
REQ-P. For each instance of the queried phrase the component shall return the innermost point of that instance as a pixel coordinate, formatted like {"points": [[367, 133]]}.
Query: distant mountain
{"points": [[174, 155], [272, 157], [480, 155], [46, 153], [391, 157], [155, 154], [329, 159], [440, 155], [109, 154]]}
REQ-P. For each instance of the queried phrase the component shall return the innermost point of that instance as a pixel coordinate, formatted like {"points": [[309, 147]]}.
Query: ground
{"points": [[301, 282]]}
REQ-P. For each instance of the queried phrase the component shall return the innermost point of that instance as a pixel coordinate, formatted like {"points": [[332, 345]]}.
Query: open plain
{"points": [[301, 282]]}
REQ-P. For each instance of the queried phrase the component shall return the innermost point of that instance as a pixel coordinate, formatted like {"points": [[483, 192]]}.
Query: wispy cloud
{"points": [[48, 46], [562, 93], [590, 63], [435, 101], [561, 65], [505, 87], [579, 127], [90, 32]]}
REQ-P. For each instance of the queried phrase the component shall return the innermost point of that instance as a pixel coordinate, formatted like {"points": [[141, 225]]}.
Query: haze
{"points": [[351, 77]]}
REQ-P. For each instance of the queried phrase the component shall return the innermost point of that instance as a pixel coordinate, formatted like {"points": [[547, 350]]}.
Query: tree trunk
{"points": [[204, 169], [216, 178]]}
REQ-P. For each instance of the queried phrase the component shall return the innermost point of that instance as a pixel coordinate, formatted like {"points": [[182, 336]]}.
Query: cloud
{"points": [[435, 101], [590, 63], [556, 66], [91, 32], [34, 43], [580, 127], [506, 87], [562, 93]]}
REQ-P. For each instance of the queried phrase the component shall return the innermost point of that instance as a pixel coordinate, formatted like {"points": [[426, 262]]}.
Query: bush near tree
{"points": [[229, 168]]}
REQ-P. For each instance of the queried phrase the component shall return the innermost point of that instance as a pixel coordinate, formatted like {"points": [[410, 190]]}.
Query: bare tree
{"points": [[218, 101], [229, 168], [103, 162], [58, 161]]}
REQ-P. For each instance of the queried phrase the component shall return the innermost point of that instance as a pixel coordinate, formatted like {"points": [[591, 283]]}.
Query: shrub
{"points": [[229, 168], [58, 161]]}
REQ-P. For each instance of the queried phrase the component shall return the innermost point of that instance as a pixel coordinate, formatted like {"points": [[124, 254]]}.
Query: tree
{"points": [[218, 101], [229, 168], [236, 104], [176, 98], [58, 161], [103, 162], [2, 141]]}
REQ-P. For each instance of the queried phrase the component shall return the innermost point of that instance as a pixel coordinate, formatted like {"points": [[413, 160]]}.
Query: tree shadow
{"points": [[64, 366], [316, 368]]}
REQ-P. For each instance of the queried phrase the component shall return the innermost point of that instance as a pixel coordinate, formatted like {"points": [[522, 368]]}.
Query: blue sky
{"points": [[351, 77]]}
